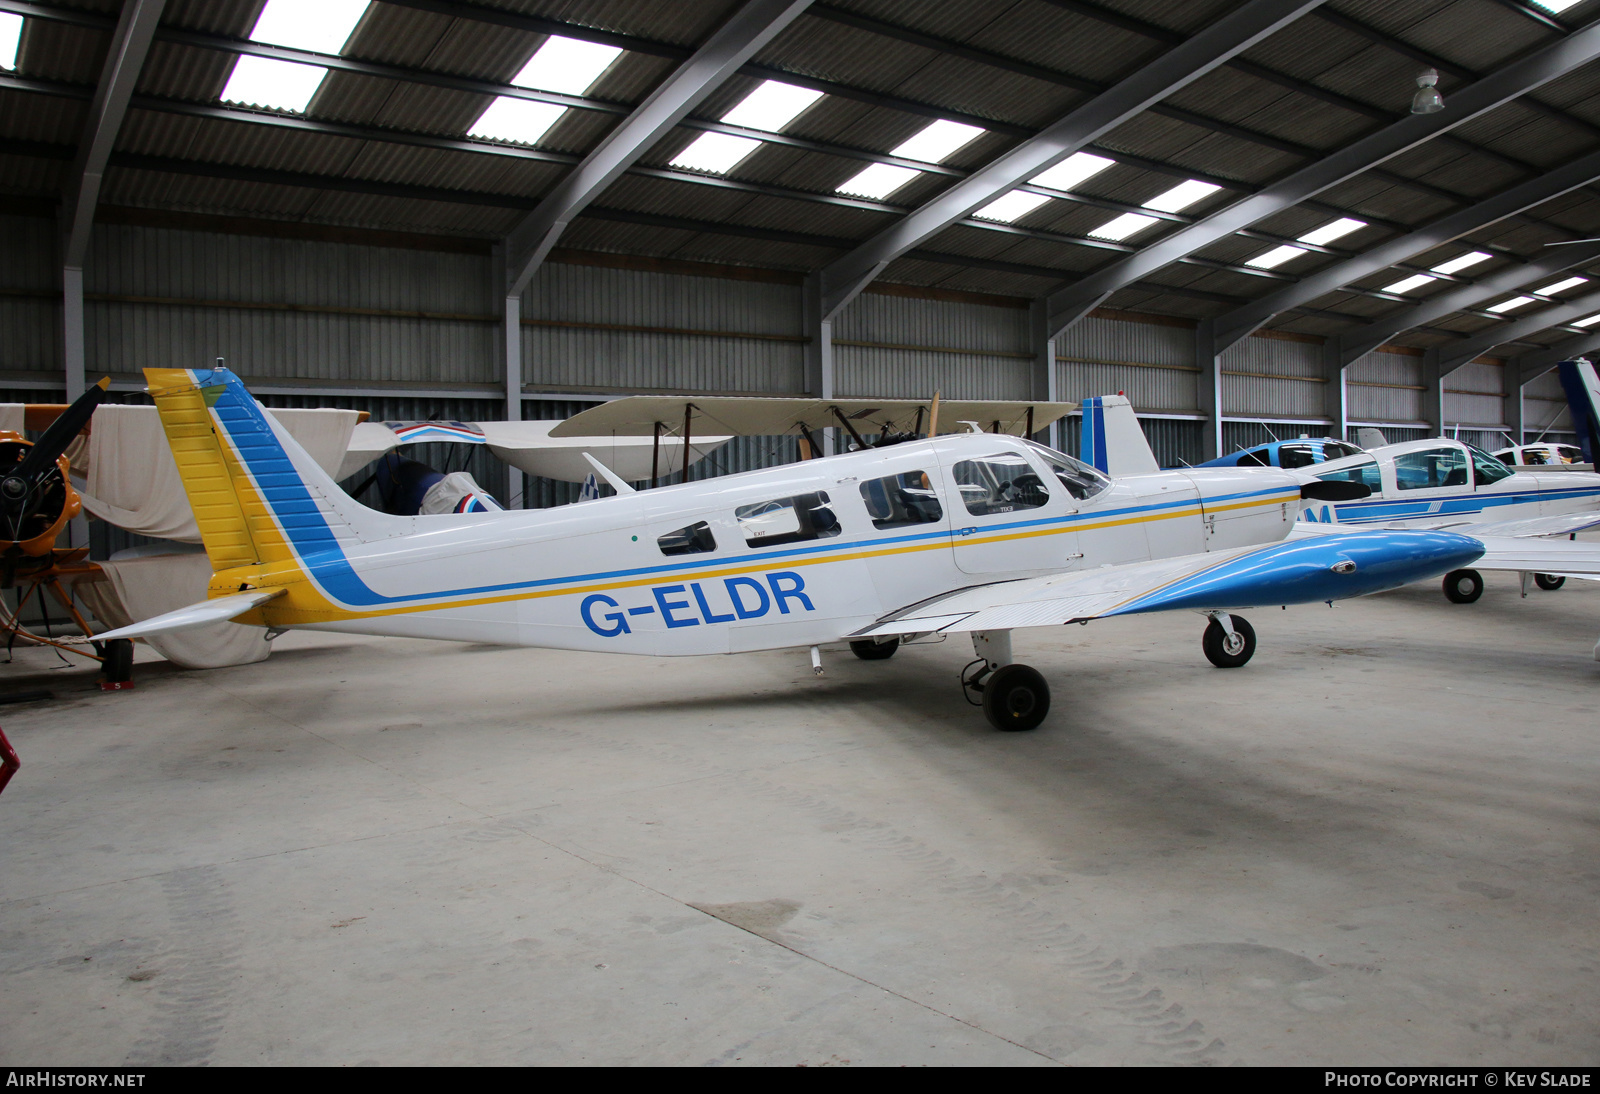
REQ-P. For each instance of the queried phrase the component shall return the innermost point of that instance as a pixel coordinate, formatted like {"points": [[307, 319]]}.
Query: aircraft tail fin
{"points": [[1113, 440], [1368, 437], [257, 495], [1582, 386]]}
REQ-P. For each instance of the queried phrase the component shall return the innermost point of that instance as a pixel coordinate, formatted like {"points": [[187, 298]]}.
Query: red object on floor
{"points": [[8, 761], [116, 685]]}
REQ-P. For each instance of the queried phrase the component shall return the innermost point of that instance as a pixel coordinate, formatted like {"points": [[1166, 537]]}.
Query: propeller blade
{"points": [[43, 455]]}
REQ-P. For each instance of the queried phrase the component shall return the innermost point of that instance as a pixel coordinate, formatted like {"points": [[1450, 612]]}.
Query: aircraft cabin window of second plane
{"points": [[1003, 483], [696, 539], [1430, 469], [1486, 468], [1366, 473], [787, 520], [1079, 479], [898, 500]]}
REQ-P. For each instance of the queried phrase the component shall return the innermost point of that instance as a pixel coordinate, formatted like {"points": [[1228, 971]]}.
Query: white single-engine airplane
{"points": [[973, 532]]}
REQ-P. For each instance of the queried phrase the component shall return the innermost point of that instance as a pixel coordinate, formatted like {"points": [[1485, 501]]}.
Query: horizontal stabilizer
{"points": [[1294, 572], [203, 614]]}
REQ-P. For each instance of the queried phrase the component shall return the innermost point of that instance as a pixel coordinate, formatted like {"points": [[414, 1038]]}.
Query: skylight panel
{"points": [[1556, 7], [878, 181], [715, 152], [1589, 322], [275, 85], [565, 65], [1123, 226], [1561, 286], [516, 120], [1071, 171], [1461, 262], [936, 141], [1509, 305], [1406, 284], [10, 38], [1334, 229], [771, 106], [1181, 196], [1009, 207], [323, 26], [1276, 257]]}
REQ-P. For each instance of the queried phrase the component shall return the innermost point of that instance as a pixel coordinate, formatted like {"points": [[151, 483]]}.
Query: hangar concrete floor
{"points": [[1379, 844]]}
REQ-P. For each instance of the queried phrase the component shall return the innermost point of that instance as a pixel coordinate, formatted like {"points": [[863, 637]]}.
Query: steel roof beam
{"points": [[1530, 366], [1239, 323], [1354, 344], [1476, 346], [844, 278], [1071, 302]]}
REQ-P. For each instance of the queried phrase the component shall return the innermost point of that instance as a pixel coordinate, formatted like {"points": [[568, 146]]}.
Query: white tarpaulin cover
{"points": [[142, 586], [12, 415], [128, 477]]}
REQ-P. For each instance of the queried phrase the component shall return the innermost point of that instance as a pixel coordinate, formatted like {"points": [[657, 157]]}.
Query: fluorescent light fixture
{"points": [[715, 152], [10, 37], [771, 106], [1508, 305], [1556, 7], [1561, 286], [565, 65], [322, 26], [1589, 322], [1406, 284], [276, 85], [1071, 171], [1334, 229], [1181, 196], [1011, 206], [936, 141], [1123, 226], [516, 120], [1276, 257], [1461, 262], [878, 181]]}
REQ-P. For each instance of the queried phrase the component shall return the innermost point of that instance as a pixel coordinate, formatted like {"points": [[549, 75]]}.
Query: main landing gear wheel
{"points": [[1015, 697], [868, 650], [1464, 586], [1549, 582], [1229, 651]]}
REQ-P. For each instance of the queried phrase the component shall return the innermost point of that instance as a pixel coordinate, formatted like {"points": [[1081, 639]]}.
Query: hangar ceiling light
{"points": [[10, 37], [1317, 237], [323, 26], [1175, 200], [564, 65], [770, 107], [1454, 265], [1510, 305], [931, 144], [1063, 176], [1556, 7], [1561, 286]]}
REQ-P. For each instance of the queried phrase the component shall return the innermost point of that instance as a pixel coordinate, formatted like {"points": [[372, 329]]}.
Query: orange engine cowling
{"points": [[48, 509]]}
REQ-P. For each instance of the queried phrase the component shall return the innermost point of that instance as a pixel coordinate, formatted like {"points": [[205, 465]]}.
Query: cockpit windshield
{"points": [[1081, 480]]}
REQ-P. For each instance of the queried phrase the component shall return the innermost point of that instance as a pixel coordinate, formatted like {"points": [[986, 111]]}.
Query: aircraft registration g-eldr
{"points": [[976, 532]]}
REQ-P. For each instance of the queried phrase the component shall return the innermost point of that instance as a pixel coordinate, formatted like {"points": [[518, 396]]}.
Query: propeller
{"points": [[22, 487]]}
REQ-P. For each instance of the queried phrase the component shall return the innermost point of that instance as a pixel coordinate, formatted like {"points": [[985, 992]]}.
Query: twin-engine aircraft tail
{"points": [[1113, 440], [1582, 387]]}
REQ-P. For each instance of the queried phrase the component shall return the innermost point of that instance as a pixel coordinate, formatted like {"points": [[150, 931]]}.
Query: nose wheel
{"points": [[1463, 586], [1229, 641]]}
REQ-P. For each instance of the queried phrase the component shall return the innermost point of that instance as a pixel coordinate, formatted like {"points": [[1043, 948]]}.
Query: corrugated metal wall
{"points": [[912, 356], [1102, 356], [563, 358], [1474, 394], [29, 310], [1544, 406], [1384, 387], [1273, 378]]}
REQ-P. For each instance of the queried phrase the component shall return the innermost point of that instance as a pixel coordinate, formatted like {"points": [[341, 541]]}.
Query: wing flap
{"points": [[206, 612], [1540, 556]]}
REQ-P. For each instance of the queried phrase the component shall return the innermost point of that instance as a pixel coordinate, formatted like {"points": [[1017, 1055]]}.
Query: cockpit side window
{"points": [[1296, 455], [1003, 483], [1338, 450], [1487, 469], [1365, 472], [787, 520], [1080, 480], [899, 500], [1430, 469]]}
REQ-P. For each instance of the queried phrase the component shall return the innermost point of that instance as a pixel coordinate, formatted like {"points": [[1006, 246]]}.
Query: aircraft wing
{"points": [[1299, 571], [1539, 556], [1560, 524]]}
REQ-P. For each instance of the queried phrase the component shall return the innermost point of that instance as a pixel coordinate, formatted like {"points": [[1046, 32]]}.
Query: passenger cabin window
{"points": [[1431, 469], [1338, 450], [787, 520], [1296, 455], [903, 499], [1080, 480], [696, 539], [1366, 473], [1253, 459], [1487, 469], [1002, 483]]}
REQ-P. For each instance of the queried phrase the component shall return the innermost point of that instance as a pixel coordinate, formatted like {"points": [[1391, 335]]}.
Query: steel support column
{"points": [[728, 48], [511, 352], [1071, 302], [1335, 397], [1208, 392], [1042, 383], [845, 277], [1433, 392]]}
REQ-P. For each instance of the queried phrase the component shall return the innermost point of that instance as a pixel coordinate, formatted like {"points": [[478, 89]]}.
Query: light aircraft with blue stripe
{"points": [[979, 533]]}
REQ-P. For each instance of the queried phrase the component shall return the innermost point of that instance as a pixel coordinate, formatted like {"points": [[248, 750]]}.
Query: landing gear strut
{"points": [[1013, 697], [1229, 641]]}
